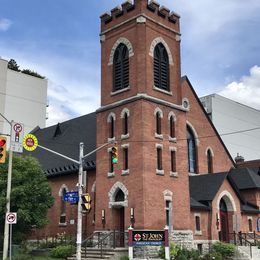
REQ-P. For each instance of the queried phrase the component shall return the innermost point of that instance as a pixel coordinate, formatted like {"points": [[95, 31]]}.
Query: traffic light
{"points": [[2, 149], [86, 202], [114, 152]]}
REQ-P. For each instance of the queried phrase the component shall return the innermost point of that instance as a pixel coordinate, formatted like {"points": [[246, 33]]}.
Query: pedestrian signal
{"points": [[86, 202], [2, 149], [114, 152]]}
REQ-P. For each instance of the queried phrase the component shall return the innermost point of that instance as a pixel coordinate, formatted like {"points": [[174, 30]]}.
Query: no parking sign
{"points": [[11, 218]]}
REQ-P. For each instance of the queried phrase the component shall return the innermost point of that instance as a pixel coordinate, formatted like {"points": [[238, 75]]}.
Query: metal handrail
{"points": [[100, 242], [239, 239]]}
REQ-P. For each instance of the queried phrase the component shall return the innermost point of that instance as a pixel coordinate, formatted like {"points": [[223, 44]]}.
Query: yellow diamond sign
{"points": [[30, 142]]}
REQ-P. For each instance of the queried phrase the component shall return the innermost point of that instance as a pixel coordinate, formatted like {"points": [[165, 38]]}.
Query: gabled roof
{"points": [[185, 78], [205, 187], [64, 138], [246, 178]]}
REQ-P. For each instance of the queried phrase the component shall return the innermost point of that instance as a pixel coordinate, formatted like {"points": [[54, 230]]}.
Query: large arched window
{"points": [[121, 67], [191, 144], [161, 67]]}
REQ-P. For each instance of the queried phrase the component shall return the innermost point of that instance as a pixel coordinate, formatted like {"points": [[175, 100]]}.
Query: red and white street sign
{"points": [[17, 137], [11, 218]]}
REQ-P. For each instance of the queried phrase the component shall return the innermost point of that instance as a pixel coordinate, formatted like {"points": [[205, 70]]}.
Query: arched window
{"points": [[210, 161], [158, 123], [63, 208], [121, 67], [161, 67], [125, 124], [159, 158], [191, 144], [172, 127], [111, 125], [250, 225]]}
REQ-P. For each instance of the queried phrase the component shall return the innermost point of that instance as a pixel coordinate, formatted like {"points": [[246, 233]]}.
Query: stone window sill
{"points": [[124, 136], [119, 91], [198, 232], [174, 174], [159, 172], [125, 172], [110, 174], [163, 91], [172, 139], [158, 136], [63, 224]]}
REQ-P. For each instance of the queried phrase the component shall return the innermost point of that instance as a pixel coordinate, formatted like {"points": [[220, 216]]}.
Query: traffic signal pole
{"points": [[80, 187]]}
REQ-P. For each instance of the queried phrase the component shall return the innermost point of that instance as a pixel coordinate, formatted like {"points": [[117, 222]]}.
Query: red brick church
{"points": [[173, 167]]}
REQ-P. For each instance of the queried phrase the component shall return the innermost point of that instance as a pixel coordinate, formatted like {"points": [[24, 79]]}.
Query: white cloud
{"points": [[246, 90], [5, 24]]}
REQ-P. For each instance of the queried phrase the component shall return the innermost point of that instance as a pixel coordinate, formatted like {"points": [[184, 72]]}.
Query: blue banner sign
{"points": [[148, 237], [71, 197]]}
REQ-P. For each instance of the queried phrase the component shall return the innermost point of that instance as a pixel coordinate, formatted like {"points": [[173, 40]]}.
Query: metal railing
{"points": [[241, 239], [103, 241]]}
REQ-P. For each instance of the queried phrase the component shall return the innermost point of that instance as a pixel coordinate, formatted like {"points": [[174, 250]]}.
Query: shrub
{"points": [[187, 254], [124, 257], [212, 255], [224, 249], [62, 251], [173, 251]]}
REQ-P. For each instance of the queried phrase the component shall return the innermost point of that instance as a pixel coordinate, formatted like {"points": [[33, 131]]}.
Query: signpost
{"points": [[10, 219], [17, 133]]}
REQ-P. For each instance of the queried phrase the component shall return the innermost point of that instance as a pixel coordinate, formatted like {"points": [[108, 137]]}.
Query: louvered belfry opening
{"points": [[121, 68], [161, 67]]}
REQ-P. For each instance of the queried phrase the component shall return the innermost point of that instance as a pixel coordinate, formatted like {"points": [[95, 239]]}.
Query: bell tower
{"points": [[140, 45], [141, 110]]}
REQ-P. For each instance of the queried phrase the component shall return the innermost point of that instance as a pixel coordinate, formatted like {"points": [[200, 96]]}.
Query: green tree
{"points": [[30, 196], [12, 64]]}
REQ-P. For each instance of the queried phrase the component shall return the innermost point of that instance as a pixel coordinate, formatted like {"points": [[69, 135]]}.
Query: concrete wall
{"points": [[23, 98], [230, 116]]}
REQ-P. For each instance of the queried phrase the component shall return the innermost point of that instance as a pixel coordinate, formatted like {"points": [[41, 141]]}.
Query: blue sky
{"points": [[60, 40]]}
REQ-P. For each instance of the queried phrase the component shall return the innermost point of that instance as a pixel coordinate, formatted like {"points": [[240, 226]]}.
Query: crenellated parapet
{"points": [[143, 6]]}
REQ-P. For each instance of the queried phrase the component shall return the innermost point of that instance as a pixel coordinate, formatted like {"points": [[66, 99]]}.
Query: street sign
{"points": [[71, 197], [11, 218], [17, 134], [30, 142]]}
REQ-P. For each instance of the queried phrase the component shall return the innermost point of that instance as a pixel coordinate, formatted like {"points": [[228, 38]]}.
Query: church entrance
{"points": [[119, 219], [224, 225]]}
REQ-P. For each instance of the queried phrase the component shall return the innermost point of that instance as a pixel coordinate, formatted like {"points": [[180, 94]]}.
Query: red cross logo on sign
{"points": [[137, 237]]}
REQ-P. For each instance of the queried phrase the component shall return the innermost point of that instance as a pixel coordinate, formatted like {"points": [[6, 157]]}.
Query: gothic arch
{"points": [[173, 115], [125, 110], [162, 41], [158, 110], [167, 194], [211, 151], [126, 42], [111, 115], [63, 186], [112, 194], [194, 132], [229, 200]]}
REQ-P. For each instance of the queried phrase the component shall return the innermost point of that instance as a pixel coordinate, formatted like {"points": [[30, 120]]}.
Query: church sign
{"points": [[148, 237]]}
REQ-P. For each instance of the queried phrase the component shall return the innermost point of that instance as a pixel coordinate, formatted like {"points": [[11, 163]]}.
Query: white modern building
{"points": [[237, 124], [23, 99]]}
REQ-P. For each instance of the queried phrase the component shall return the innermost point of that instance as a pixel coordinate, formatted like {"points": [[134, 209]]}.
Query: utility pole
{"points": [[80, 186], [8, 194]]}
